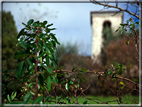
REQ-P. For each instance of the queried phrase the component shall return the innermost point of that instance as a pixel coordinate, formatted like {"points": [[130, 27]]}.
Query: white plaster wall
{"points": [[97, 26]]}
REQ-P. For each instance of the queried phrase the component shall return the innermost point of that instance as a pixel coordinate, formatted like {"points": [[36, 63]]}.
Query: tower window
{"points": [[106, 29]]}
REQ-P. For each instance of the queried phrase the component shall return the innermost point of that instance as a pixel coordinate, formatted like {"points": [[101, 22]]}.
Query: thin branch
{"points": [[111, 6], [110, 87], [119, 77], [130, 99], [116, 13], [91, 99], [101, 74], [127, 6]]}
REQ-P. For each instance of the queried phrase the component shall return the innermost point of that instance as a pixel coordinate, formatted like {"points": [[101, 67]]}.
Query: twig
{"points": [[119, 77], [110, 87], [101, 73], [90, 99], [129, 99], [111, 6]]}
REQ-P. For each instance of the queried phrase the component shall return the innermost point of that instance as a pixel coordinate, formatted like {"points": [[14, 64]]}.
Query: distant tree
{"points": [[9, 34], [67, 49]]}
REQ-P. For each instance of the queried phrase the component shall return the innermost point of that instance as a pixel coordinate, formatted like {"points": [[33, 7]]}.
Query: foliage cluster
{"points": [[37, 47]]}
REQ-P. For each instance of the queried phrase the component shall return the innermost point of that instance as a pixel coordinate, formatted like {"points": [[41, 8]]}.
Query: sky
{"points": [[72, 20]]}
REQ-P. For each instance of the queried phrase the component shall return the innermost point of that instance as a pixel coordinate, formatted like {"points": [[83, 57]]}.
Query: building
{"points": [[99, 20]]}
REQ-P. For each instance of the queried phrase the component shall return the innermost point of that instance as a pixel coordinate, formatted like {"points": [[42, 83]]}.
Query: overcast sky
{"points": [[72, 20]]}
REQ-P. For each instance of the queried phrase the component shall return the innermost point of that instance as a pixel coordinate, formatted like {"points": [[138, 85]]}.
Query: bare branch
{"points": [[130, 99], [111, 6], [101, 74]]}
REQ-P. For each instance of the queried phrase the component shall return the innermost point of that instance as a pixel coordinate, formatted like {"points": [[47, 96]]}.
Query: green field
{"points": [[102, 100]]}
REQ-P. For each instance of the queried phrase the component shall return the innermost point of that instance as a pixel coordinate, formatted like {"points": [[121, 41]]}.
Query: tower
{"points": [[99, 20]]}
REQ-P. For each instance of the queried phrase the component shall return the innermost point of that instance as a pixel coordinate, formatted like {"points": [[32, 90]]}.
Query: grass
{"points": [[109, 99], [103, 100], [95, 100]]}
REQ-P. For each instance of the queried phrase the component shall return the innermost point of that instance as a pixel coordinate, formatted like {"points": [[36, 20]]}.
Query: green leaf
{"points": [[74, 69], [114, 75], [105, 74], [54, 38], [122, 24], [83, 79], [38, 99], [23, 44], [122, 87], [55, 80], [51, 50], [124, 69], [71, 82], [122, 30], [45, 22], [40, 79], [114, 64], [47, 30], [46, 74], [52, 29], [27, 97], [20, 70], [49, 83], [122, 83], [83, 69], [35, 24], [29, 62], [30, 85], [41, 35], [41, 54], [49, 25], [67, 86], [127, 42], [47, 61], [49, 70], [117, 29], [17, 56], [79, 82], [40, 43], [63, 82], [13, 95], [137, 22], [120, 69], [109, 72], [9, 99], [21, 33], [79, 74], [30, 22], [24, 24], [85, 102], [54, 64], [53, 43]]}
